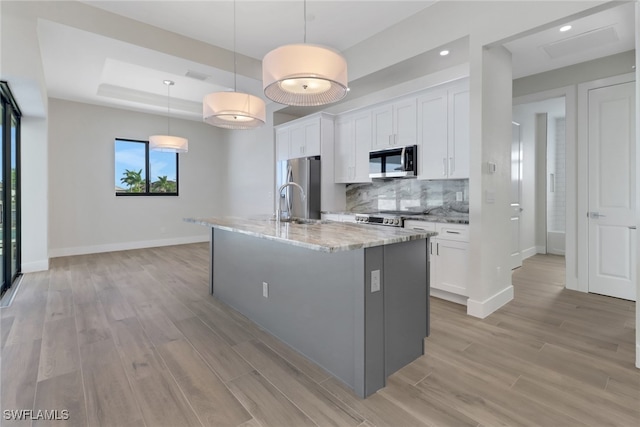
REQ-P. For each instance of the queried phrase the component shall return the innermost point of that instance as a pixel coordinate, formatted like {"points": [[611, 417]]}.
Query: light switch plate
{"points": [[265, 289], [375, 281], [490, 196]]}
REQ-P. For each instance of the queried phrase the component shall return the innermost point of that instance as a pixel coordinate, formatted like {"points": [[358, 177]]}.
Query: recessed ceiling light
{"points": [[565, 28], [444, 52]]}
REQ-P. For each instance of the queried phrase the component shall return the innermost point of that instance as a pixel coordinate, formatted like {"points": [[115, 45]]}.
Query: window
{"points": [[140, 172], [10, 242]]}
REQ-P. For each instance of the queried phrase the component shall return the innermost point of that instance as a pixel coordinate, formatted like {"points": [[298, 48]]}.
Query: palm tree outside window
{"points": [[141, 172]]}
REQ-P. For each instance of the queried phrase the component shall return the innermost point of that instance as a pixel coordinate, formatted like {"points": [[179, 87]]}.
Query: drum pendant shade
{"points": [[168, 143], [233, 110], [304, 75]]}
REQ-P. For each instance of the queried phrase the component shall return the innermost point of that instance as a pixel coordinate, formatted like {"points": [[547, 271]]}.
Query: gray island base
{"points": [[325, 303]]}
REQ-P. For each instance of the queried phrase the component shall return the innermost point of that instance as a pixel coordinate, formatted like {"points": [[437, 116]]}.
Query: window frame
{"points": [[147, 166]]}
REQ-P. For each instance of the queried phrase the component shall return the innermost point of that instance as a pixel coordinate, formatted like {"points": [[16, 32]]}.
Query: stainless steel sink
{"points": [[308, 221], [303, 221]]}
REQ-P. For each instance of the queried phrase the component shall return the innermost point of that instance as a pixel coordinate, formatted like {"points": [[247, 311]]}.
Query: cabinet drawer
{"points": [[457, 232], [420, 225]]}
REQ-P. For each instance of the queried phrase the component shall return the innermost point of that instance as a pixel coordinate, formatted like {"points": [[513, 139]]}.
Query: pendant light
{"points": [[304, 74], [168, 143], [233, 110]]}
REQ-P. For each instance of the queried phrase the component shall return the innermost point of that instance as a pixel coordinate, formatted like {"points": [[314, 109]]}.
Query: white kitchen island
{"points": [[352, 298]]}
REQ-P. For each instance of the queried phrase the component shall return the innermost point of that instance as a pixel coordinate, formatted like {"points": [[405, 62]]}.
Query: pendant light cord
{"points": [[305, 21], [235, 61], [168, 110]]}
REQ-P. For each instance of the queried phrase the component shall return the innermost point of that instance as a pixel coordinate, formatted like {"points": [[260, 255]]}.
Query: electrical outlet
{"points": [[375, 281], [265, 289], [458, 196]]}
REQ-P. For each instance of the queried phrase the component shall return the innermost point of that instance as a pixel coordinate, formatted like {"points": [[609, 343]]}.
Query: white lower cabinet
{"points": [[449, 252]]}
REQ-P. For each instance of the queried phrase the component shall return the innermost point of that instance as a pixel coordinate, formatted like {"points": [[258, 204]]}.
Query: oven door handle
{"points": [[402, 159]]}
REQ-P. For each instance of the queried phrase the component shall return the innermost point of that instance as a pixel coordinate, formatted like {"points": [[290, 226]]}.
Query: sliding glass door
{"points": [[9, 188]]}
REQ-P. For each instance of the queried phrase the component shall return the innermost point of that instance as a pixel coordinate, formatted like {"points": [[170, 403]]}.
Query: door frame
{"points": [[583, 171], [517, 263], [11, 110], [571, 237]]}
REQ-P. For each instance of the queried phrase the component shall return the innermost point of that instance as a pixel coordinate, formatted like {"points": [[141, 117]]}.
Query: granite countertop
{"points": [[325, 236]]}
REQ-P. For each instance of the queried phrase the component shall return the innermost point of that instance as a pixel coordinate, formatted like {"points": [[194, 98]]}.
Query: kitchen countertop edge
{"points": [[243, 226], [457, 219]]}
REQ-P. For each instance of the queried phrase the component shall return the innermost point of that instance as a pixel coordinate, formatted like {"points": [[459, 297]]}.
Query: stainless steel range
{"points": [[391, 219]]}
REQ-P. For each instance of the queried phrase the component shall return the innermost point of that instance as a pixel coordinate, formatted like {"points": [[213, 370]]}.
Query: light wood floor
{"points": [[133, 339]]}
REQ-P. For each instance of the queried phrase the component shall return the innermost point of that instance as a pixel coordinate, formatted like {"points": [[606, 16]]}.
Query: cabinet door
{"points": [[432, 135], [312, 138], [458, 148], [449, 263], [404, 123], [344, 150], [362, 144], [282, 144], [382, 119], [296, 141]]}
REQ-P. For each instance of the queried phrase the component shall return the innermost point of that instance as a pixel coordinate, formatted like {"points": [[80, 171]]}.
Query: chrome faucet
{"points": [[282, 187]]}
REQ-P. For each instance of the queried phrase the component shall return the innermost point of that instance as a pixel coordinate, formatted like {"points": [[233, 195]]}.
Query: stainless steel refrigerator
{"points": [[306, 173]]}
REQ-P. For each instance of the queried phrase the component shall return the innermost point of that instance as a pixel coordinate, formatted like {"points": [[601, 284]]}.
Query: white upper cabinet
{"points": [[352, 142], [282, 144], [394, 124], [458, 147], [299, 139], [432, 135], [443, 133]]}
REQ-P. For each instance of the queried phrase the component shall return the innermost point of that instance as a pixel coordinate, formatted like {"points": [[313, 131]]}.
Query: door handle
{"points": [[437, 248], [444, 166], [632, 227], [452, 165], [453, 232], [595, 215]]}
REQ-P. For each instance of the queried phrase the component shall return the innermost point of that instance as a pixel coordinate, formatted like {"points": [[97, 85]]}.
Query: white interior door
{"points": [[516, 188], [612, 172]]}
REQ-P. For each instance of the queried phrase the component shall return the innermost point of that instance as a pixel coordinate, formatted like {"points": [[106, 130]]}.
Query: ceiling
{"points": [[606, 33], [116, 69]]}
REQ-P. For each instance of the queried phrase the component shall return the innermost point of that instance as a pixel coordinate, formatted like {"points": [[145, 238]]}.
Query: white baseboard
{"points": [[556, 252], [541, 249], [529, 252], [84, 250], [33, 266], [484, 308], [448, 296]]}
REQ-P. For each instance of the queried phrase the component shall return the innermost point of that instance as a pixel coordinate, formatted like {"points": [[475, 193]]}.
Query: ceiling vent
{"points": [[581, 42], [196, 75]]}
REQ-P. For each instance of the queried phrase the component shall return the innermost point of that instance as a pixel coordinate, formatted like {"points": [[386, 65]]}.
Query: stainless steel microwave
{"points": [[396, 162]]}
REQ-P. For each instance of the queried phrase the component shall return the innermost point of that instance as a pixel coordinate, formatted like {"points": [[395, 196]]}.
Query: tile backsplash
{"points": [[409, 194]]}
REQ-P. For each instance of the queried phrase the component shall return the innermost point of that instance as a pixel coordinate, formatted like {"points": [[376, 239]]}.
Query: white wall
{"points": [[251, 172], [637, 181], [35, 207], [21, 67], [600, 68], [489, 193], [84, 214], [532, 232]]}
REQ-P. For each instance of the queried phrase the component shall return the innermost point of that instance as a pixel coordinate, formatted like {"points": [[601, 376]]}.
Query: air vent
{"points": [[581, 42], [196, 75]]}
